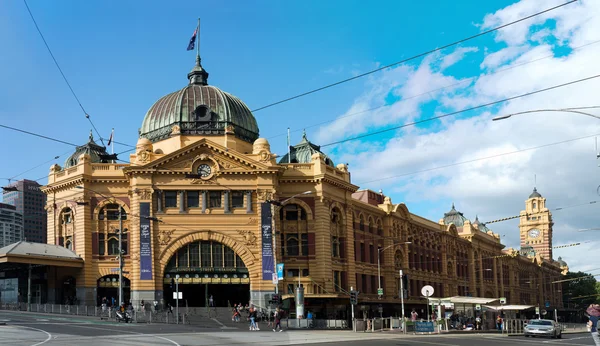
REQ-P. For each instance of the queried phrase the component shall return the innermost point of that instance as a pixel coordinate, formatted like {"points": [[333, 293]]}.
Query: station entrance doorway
{"points": [[205, 269]]}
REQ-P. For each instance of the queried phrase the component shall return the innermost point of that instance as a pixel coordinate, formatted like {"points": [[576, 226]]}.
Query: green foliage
{"points": [[582, 292]]}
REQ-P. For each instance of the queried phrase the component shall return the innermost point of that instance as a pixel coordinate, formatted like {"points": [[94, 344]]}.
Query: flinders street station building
{"points": [[204, 201]]}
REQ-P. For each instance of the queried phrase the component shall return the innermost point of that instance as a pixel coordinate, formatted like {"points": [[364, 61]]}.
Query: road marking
{"points": [[411, 341], [40, 330], [126, 331], [42, 320]]}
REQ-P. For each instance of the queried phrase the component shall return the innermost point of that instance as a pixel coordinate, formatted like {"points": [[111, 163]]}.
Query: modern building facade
{"points": [[204, 198], [30, 201], [11, 225]]}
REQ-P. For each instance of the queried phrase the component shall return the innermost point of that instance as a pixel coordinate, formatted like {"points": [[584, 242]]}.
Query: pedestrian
{"points": [[499, 323], [277, 321], [593, 311], [478, 322], [253, 325], [413, 315], [211, 302]]}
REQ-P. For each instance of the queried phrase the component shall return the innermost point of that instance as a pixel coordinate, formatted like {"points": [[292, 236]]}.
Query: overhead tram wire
{"points": [[414, 56], [475, 160], [462, 81], [461, 111], [555, 209], [61, 72], [37, 166]]}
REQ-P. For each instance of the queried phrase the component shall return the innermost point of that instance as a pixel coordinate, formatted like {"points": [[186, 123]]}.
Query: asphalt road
{"points": [[32, 329]]}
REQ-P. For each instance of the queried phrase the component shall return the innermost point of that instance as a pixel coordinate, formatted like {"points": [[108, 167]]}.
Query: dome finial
{"points": [[91, 137]]}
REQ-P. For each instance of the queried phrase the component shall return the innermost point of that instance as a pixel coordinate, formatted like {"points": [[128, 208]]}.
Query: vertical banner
{"points": [[145, 243], [280, 271], [266, 223]]}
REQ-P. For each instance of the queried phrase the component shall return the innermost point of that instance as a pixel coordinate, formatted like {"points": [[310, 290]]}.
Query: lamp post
{"points": [[274, 203], [379, 251]]}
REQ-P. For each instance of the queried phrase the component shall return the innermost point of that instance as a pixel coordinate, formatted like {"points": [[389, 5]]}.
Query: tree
{"points": [[582, 292]]}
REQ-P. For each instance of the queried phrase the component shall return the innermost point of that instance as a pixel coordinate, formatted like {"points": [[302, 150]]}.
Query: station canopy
{"points": [[39, 254], [463, 300], [509, 307]]}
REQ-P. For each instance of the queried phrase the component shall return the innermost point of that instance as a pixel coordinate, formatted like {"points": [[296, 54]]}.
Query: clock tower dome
{"points": [[535, 226]]}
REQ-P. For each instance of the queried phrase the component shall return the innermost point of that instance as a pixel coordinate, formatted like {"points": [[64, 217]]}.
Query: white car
{"points": [[543, 328]]}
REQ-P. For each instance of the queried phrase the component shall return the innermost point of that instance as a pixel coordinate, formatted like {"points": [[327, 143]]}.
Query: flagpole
{"points": [[289, 149], [198, 39], [112, 144]]}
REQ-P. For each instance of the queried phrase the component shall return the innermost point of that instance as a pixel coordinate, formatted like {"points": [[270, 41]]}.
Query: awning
{"points": [[42, 254], [463, 300], [509, 307]]}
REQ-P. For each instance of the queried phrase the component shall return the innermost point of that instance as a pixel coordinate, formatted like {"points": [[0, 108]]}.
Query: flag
{"points": [[193, 40], [111, 137]]}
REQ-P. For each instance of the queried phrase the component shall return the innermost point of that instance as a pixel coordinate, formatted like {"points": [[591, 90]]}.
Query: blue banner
{"points": [[424, 327], [280, 271], [145, 243], [268, 263]]}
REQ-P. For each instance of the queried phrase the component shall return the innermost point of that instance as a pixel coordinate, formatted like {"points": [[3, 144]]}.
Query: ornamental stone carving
{"points": [[263, 195], [164, 236], [144, 194], [175, 130], [249, 237], [264, 156]]}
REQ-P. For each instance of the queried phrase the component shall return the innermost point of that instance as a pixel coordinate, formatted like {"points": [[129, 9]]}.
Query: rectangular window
{"points": [[101, 244], [292, 245], [214, 199], [293, 273], [237, 199], [217, 255], [229, 258], [304, 239], [305, 272], [170, 199], [363, 252], [194, 255], [182, 257], [193, 199], [336, 281], [334, 247], [205, 255]]}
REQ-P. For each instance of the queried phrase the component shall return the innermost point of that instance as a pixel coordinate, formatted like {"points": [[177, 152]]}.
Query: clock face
{"points": [[534, 233], [204, 170]]}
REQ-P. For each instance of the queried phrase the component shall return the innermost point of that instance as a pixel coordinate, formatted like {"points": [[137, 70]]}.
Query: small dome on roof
{"points": [[303, 153], [96, 152], [455, 217], [535, 194], [480, 225], [561, 262]]}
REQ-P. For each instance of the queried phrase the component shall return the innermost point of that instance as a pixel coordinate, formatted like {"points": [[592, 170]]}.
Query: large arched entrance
{"points": [[108, 287], [205, 269]]}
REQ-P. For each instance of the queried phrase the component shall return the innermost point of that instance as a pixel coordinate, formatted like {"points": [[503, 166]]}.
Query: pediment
{"points": [[223, 160]]}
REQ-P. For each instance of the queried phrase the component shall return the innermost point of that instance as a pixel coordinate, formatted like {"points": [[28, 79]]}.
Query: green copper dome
{"points": [[303, 152], [199, 109]]}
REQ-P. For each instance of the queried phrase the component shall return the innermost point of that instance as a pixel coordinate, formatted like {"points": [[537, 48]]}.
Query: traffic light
{"points": [[275, 299], [172, 283], [353, 297], [405, 284]]}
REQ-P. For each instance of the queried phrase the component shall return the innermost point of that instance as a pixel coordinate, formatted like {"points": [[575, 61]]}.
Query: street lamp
{"points": [[379, 251]]}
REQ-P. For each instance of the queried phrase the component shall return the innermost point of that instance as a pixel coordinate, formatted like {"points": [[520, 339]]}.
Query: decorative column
{"points": [[472, 289], [249, 202], [481, 271], [226, 202], [181, 201], [159, 205], [204, 200]]}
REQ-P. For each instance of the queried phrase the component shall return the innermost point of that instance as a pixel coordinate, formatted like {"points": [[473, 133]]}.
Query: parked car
{"points": [[543, 328]]}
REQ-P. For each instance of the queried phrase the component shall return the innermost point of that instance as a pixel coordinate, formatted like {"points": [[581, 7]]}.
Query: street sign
{"points": [[544, 312], [547, 304], [503, 300], [280, 271], [275, 279], [175, 295], [537, 310], [380, 291]]}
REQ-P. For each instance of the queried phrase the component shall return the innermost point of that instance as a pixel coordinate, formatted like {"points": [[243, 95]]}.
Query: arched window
{"points": [[379, 228], [69, 244], [371, 228], [66, 216], [292, 212], [110, 212], [361, 225], [113, 246]]}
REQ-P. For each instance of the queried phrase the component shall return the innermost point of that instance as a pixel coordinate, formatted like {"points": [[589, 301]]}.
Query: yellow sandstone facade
{"points": [[190, 201]]}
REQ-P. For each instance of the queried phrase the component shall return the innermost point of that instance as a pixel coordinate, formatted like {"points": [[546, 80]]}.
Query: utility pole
{"points": [[402, 302], [352, 305], [177, 297], [29, 289]]}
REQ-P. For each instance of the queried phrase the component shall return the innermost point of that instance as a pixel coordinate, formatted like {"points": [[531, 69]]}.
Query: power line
{"points": [[41, 164], [462, 81], [37, 135], [61, 71], [477, 159], [555, 209], [413, 57], [461, 111]]}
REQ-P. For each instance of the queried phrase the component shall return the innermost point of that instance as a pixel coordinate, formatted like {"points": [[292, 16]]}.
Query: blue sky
{"points": [[121, 57]]}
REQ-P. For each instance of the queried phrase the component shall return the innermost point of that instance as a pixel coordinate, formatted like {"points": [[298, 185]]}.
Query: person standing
{"points": [[211, 302], [414, 315]]}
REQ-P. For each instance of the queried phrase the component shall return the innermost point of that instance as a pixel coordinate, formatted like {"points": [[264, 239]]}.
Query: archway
{"points": [[108, 290], [207, 269], [69, 291]]}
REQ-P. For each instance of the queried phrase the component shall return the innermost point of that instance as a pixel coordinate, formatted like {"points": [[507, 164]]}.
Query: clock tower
{"points": [[535, 226]]}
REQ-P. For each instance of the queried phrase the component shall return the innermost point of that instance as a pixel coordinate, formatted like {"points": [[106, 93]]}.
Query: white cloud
{"points": [[496, 187]]}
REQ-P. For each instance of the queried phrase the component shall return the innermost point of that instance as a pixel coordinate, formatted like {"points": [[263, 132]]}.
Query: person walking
{"points": [[211, 301], [278, 314], [593, 311]]}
